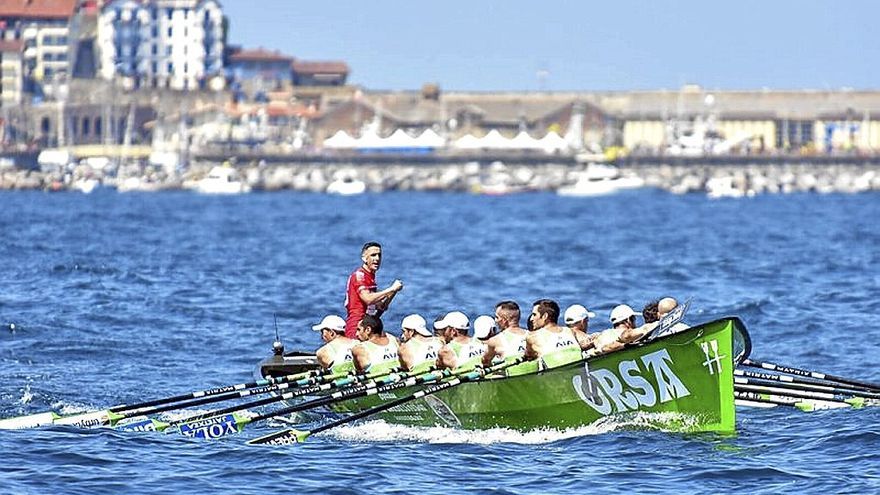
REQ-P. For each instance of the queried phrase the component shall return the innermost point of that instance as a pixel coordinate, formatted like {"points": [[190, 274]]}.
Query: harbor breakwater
{"points": [[489, 178]]}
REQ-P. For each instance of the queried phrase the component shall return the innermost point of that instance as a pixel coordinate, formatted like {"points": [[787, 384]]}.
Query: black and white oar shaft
{"points": [[115, 413], [756, 399], [764, 380], [811, 374], [803, 394]]}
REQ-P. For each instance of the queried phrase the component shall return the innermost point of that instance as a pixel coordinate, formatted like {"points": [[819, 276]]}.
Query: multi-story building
{"points": [[44, 28], [175, 44], [11, 77]]}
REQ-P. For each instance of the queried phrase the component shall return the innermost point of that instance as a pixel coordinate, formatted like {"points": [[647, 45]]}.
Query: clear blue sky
{"points": [[609, 45]]}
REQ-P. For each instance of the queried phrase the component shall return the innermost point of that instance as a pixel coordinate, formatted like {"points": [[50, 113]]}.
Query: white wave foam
{"points": [[26, 395], [380, 431]]}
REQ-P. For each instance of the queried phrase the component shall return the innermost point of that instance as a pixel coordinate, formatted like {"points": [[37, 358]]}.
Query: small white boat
{"points": [[221, 180], [346, 186], [723, 187], [600, 180], [85, 186]]}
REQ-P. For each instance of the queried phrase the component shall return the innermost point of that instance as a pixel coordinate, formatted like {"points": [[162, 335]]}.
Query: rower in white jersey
{"points": [[419, 349], [511, 342], [547, 342], [377, 352], [461, 352], [335, 354]]}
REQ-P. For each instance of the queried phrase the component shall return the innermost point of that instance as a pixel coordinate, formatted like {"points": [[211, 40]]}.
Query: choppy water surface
{"points": [[118, 298]]}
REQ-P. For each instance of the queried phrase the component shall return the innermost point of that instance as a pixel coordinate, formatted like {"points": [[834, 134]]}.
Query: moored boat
{"points": [[683, 380]]}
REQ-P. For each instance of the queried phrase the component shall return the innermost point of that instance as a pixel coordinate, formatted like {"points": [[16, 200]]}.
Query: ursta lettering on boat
{"points": [[628, 387]]}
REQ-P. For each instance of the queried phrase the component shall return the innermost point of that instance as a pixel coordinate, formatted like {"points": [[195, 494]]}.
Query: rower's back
{"points": [[468, 352], [422, 353], [381, 353], [555, 346], [340, 356]]}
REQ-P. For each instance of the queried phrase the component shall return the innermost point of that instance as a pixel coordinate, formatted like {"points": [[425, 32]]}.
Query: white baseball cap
{"points": [[483, 326], [576, 313], [333, 322], [620, 313], [417, 323], [456, 320]]}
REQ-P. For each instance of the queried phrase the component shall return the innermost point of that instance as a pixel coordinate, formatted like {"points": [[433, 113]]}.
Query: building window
{"points": [[98, 126], [169, 31], [87, 124]]}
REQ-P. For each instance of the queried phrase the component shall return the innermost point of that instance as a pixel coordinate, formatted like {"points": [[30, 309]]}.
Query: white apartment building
{"points": [[11, 74], [173, 44], [44, 28]]}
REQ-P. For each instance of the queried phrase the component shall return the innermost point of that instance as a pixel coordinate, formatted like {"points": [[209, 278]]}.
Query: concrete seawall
{"points": [[494, 178]]}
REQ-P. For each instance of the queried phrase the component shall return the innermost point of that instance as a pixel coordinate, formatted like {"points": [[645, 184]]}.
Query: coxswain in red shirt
{"points": [[361, 295]]}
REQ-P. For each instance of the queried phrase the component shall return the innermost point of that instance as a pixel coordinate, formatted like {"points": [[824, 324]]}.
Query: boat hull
{"points": [[686, 378]]}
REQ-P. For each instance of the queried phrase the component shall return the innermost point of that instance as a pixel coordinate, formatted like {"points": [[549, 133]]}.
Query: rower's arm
{"points": [[323, 356], [360, 357], [446, 358], [490, 353], [403, 355], [531, 348], [585, 341]]}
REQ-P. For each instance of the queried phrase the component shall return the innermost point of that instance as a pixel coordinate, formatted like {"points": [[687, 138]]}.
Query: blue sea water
{"points": [[119, 298]]}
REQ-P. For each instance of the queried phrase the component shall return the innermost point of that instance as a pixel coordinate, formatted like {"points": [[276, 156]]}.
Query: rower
{"points": [[511, 342], [377, 352], [548, 343], [419, 349], [335, 354], [577, 319], [623, 330], [461, 352], [664, 307]]}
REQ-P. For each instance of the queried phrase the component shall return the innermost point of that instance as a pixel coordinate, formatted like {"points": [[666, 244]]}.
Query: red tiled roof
{"points": [[260, 55], [320, 67], [11, 45], [38, 9]]}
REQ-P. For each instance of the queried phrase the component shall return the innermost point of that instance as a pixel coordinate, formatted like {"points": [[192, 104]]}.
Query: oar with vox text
{"points": [[228, 424], [291, 435], [116, 413]]}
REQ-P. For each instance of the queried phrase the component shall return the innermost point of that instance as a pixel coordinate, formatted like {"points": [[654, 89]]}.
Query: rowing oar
{"points": [[220, 426], [803, 394], [749, 378], [117, 413], [188, 424], [782, 400], [291, 435], [812, 374]]}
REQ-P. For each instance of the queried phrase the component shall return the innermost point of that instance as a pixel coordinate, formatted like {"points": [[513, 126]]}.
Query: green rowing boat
{"points": [[683, 380]]}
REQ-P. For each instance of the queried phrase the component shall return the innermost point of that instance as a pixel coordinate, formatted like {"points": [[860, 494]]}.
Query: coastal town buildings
{"points": [[175, 44]]}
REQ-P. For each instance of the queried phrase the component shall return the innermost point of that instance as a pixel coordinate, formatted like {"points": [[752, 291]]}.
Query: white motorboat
{"points": [[600, 180], [221, 180], [346, 186]]}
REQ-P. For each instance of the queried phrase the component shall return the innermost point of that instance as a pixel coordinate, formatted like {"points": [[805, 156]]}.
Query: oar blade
{"points": [[29, 421], [87, 420], [284, 437], [214, 427]]}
